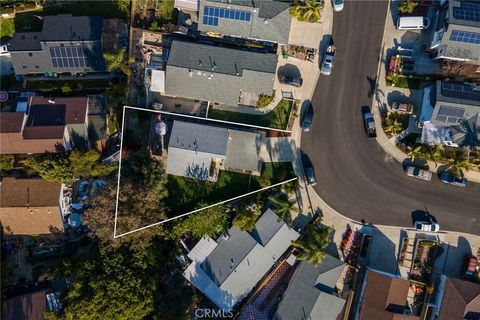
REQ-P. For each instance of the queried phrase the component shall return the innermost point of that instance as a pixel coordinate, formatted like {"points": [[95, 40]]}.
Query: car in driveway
{"points": [[327, 61], [418, 173], [427, 226], [307, 118], [449, 178], [290, 80], [402, 107], [310, 175], [338, 5], [369, 123]]}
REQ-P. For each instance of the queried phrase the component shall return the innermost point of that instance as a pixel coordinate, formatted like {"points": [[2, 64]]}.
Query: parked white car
{"points": [[418, 173], [427, 226]]}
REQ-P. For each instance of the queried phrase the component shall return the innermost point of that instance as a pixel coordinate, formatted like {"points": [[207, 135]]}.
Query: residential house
{"points": [[455, 118], [66, 44], [227, 269], [31, 305], [40, 125], [199, 151], [310, 290], [218, 74], [456, 299], [456, 32], [264, 20], [30, 207], [384, 297]]}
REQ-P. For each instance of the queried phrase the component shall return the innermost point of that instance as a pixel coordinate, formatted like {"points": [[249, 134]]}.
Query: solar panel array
{"points": [[467, 37], [69, 57], [211, 15], [468, 11], [462, 91], [451, 115]]}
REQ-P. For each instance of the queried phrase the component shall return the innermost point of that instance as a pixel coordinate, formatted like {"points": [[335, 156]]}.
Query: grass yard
{"points": [[7, 29], [185, 194], [167, 11], [411, 83], [277, 118]]}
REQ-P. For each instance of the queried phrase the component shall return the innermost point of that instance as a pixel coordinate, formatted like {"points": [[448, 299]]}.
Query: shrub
{"points": [[407, 6], [264, 100]]}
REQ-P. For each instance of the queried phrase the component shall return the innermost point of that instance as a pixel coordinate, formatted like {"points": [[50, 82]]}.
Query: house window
{"points": [[24, 67], [62, 45], [36, 67], [30, 54]]}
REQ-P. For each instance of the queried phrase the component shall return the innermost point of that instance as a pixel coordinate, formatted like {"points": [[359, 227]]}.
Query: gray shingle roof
{"points": [[195, 56], [199, 137], [266, 227], [310, 290], [189, 72], [467, 133], [270, 19]]}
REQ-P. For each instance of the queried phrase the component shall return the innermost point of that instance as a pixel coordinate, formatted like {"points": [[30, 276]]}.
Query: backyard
{"points": [[277, 118], [185, 193]]}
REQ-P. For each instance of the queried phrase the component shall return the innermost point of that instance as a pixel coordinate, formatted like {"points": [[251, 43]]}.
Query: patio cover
{"points": [[158, 81]]}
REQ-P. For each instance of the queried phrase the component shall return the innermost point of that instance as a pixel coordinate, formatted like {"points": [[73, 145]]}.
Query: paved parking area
{"points": [[306, 34]]}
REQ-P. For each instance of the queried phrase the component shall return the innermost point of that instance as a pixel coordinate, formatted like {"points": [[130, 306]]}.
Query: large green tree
{"points": [[66, 167], [308, 11], [246, 218], [459, 164], [312, 247], [283, 207]]}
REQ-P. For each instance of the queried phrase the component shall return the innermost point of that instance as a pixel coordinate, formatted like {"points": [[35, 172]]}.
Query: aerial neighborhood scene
{"points": [[240, 159]]}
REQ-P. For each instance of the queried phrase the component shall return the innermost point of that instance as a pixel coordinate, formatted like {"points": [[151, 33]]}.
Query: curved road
{"points": [[355, 176]]}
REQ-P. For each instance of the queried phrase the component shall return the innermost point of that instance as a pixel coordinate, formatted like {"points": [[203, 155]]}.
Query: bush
{"points": [[407, 6], [6, 162], [264, 100]]}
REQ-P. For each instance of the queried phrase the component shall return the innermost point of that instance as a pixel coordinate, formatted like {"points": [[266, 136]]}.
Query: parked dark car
{"points": [[307, 118], [369, 123], [310, 175], [449, 178], [295, 81]]}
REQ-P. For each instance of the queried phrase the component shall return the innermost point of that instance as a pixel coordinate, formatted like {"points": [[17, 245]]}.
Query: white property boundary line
{"points": [[216, 120], [184, 214]]}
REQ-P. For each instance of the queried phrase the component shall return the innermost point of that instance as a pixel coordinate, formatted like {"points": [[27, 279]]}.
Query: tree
{"points": [[407, 6], [394, 128], [124, 5], [66, 167], [434, 154], [311, 248], [458, 164], [308, 11], [246, 218], [112, 285], [118, 61], [208, 222], [415, 152], [6, 162], [283, 208]]}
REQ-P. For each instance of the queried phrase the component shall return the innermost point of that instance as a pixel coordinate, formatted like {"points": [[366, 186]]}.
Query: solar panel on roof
{"points": [[68, 57], [463, 91], [466, 37], [223, 13], [468, 10]]}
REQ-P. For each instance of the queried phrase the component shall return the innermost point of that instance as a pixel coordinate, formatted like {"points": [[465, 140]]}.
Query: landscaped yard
{"points": [[7, 28], [68, 86], [411, 83], [277, 118], [185, 194]]}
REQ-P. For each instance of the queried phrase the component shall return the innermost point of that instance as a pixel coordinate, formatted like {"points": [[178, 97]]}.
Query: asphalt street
{"points": [[355, 176]]}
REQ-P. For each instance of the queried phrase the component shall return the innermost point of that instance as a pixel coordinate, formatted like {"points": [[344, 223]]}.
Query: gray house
{"points": [[200, 151], [455, 117], [310, 290], [218, 74], [254, 19], [227, 269], [456, 32], [66, 44]]}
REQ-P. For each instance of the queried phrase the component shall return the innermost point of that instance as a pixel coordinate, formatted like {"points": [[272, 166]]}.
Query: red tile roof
{"points": [[44, 132], [11, 121], [75, 108], [29, 306], [461, 300]]}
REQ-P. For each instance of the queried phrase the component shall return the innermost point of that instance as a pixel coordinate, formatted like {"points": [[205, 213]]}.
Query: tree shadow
{"points": [[289, 69]]}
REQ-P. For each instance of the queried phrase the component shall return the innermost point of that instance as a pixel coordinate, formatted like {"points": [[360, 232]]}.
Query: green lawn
{"points": [[411, 83], [7, 29], [277, 118], [25, 21], [185, 193], [167, 11]]}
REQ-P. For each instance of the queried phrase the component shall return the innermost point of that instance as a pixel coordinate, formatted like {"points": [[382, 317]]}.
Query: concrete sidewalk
{"points": [[391, 37]]}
